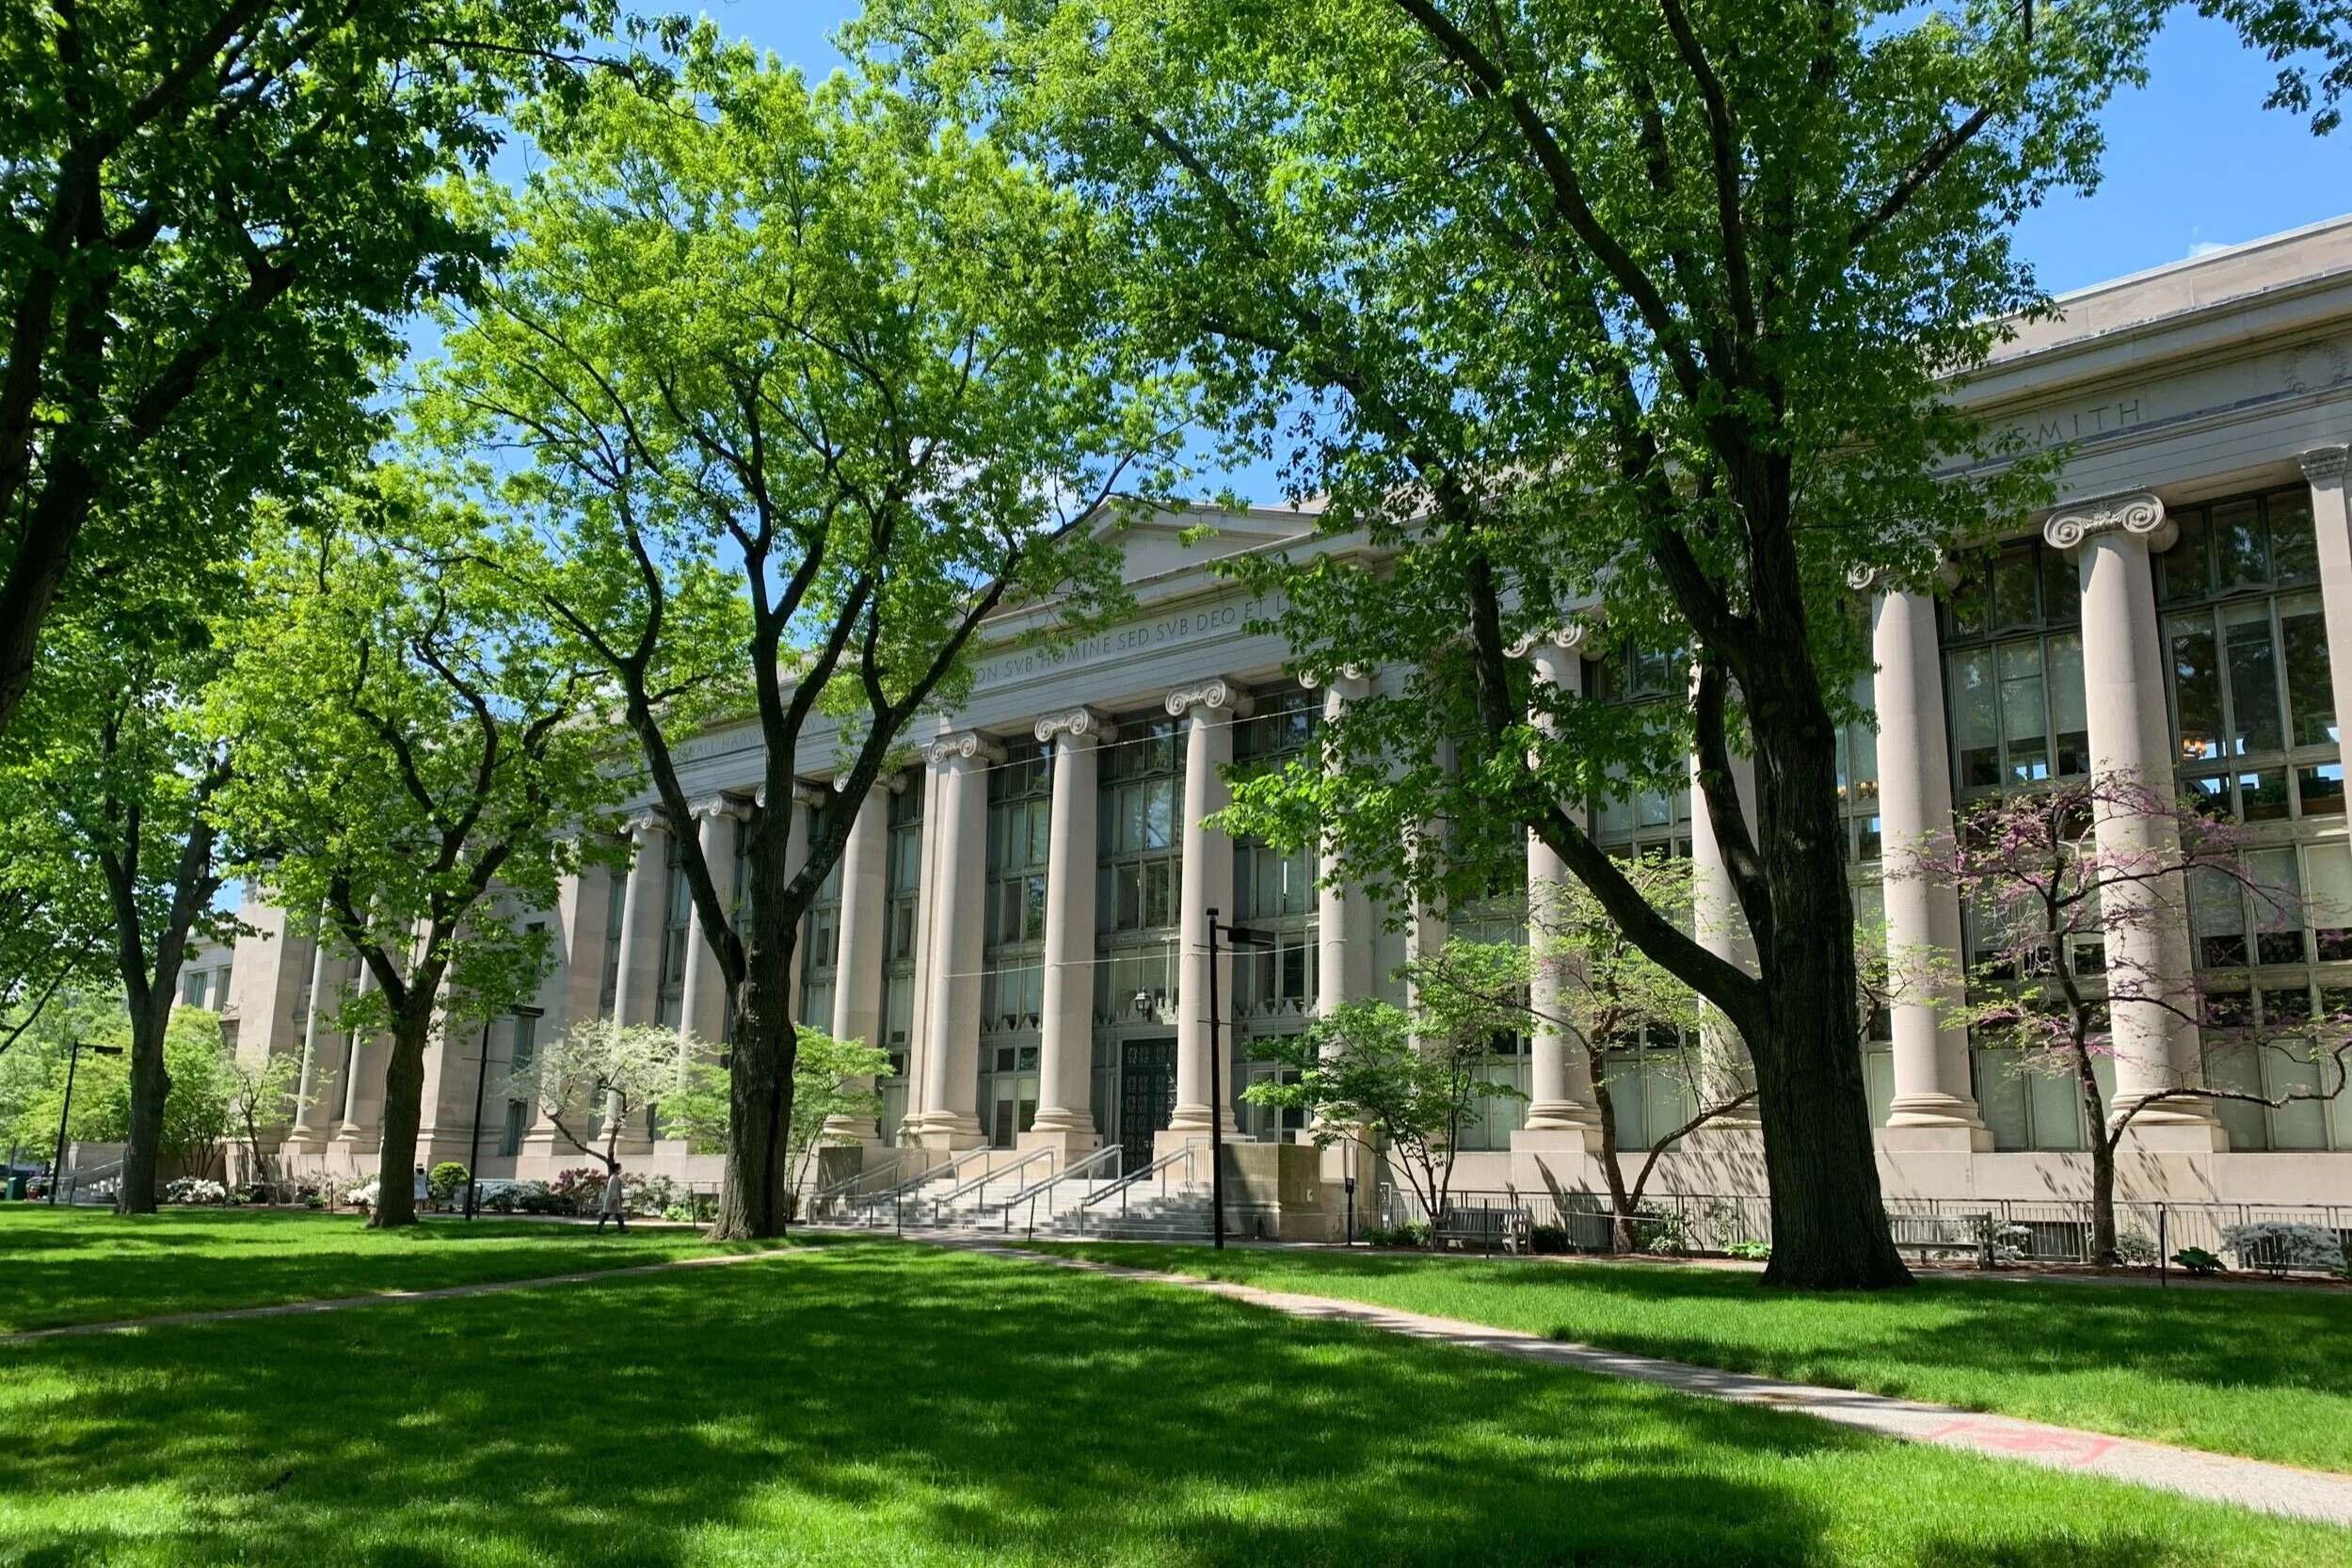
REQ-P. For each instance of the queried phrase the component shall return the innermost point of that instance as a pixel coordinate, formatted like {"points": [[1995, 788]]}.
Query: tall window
{"points": [[677, 909], [1139, 872], [822, 933], [1273, 892], [2013, 667], [1011, 967], [1649, 1072], [1500, 916], [615, 927], [1858, 776], [2254, 713], [1641, 820], [901, 922]]}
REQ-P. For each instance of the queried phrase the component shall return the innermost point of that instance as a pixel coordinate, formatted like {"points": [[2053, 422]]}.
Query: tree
{"points": [[599, 1075], [1412, 1078], [1655, 305], [116, 773], [195, 1120], [264, 1096], [807, 387], [1603, 993], [2062, 928], [830, 1077], [219, 214], [420, 759]]}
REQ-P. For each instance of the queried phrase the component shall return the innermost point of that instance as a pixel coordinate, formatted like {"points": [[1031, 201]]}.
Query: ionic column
{"points": [[641, 924], [2148, 947], [1343, 915], [951, 1076], [1067, 1032], [311, 1124], [857, 963], [1207, 711], [704, 1006], [1923, 916], [919, 1011], [2332, 522], [1559, 1075]]}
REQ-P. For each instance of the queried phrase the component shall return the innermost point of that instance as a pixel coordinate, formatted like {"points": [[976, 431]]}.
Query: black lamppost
{"points": [[481, 1076], [1239, 936], [72, 1061]]}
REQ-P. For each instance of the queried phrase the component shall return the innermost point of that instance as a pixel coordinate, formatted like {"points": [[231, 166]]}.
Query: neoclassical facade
{"points": [[1018, 921]]}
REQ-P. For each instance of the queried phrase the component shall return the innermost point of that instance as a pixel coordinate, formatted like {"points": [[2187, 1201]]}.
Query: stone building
{"points": [[1018, 919]]}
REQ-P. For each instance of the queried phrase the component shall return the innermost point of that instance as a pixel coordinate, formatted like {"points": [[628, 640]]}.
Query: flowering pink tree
{"points": [[2077, 950]]}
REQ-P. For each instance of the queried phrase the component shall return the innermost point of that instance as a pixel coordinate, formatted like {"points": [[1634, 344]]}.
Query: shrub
{"points": [[364, 1195], [1413, 1233], [1754, 1252], [195, 1189], [2196, 1260], [2011, 1243], [1661, 1232], [2135, 1247], [2274, 1247], [446, 1180], [655, 1195], [1547, 1238]]}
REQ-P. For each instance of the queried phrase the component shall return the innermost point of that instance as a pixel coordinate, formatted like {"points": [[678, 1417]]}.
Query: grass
{"points": [[83, 1266], [876, 1403], [2263, 1373]]}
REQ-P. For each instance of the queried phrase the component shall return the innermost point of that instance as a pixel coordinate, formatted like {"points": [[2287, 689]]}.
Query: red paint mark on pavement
{"points": [[2071, 1447]]}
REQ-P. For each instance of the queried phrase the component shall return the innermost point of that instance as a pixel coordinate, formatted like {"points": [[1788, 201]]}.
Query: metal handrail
{"points": [[1109, 1151], [896, 1197], [982, 1181], [1121, 1187], [845, 1187]]}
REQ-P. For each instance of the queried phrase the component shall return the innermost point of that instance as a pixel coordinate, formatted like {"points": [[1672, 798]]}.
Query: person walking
{"points": [[615, 1205], [421, 1194]]}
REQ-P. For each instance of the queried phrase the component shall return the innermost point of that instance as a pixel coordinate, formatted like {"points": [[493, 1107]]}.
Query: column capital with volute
{"points": [[963, 746], [2323, 463], [1078, 724], [2136, 514], [1217, 695]]}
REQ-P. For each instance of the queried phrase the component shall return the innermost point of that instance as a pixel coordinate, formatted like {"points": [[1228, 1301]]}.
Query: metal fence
{"points": [[2040, 1230]]}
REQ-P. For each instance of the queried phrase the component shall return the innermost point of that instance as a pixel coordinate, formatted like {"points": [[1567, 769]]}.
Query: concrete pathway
{"points": [[2217, 1477], [388, 1298]]}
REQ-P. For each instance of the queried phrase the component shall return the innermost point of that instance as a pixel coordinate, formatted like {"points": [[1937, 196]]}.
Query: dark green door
{"points": [[1146, 1098]]}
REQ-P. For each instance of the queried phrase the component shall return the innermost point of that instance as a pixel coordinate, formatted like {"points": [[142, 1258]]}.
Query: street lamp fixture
{"points": [[72, 1061], [1239, 937]]}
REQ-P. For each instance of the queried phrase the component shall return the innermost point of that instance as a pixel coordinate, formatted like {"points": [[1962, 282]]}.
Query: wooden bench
{"points": [[1939, 1234], [1484, 1229]]}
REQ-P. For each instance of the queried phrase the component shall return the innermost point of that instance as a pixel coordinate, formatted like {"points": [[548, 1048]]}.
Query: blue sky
{"points": [[2193, 159]]}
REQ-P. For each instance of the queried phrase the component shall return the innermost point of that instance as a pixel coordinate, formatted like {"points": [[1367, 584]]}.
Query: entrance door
{"points": [[1146, 1098]]}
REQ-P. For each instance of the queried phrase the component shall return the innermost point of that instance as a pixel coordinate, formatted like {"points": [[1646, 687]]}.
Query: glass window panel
{"points": [[2195, 685], [1878, 1076], [1970, 602], [2061, 588], [2013, 581], [2253, 679], [2262, 797], [2024, 718], [2218, 916], [2210, 794], [2001, 1098], [2231, 1064], [2293, 551], [2069, 713], [1976, 719], [2181, 570], [2310, 689], [2241, 558], [2328, 900], [2297, 1124], [2277, 906], [2057, 1109], [1159, 815]]}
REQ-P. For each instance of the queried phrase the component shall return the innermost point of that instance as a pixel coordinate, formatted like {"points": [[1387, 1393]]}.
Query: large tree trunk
{"points": [[404, 1105], [756, 1191], [1829, 1219], [151, 1084]]}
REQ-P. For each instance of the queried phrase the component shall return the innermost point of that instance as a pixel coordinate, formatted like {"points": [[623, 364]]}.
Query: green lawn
{"points": [[2264, 1373], [85, 1266], [876, 1403]]}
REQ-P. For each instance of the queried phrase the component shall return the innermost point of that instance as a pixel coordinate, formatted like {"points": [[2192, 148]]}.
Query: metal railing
{"points": [[835, 1195], [2025, 1230], [1094, 1208], [980, 1183], [1101, 1164]]}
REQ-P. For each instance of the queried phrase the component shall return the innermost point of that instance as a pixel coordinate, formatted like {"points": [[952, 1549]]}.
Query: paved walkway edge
{"points": [[388, 1298], [2280, 1488]]}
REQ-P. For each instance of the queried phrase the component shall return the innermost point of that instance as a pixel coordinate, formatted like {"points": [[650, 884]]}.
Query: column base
{"points": [[1194, 1119], [1068, 1143], [2146, 1136], [849, 1129], [1937, 1122], [1557, 1138], [950, 1130]]}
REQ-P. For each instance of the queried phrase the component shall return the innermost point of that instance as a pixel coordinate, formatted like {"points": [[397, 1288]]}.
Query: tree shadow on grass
{"points": [[97, 1268], [873, 1404]]}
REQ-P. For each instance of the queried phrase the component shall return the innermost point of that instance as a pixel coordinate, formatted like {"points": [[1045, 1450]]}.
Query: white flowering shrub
{"points": [[195, 1189], [2276, 1248], [364, 1195], [2012, 1241]]}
